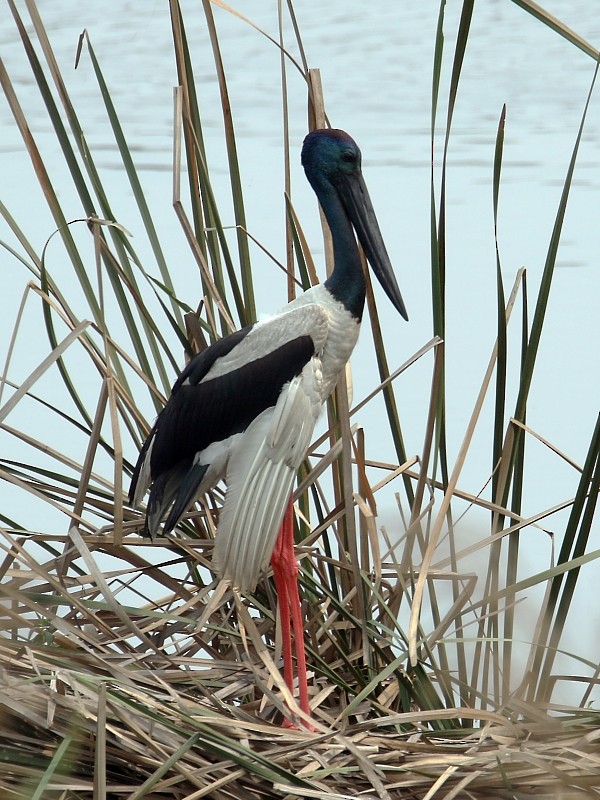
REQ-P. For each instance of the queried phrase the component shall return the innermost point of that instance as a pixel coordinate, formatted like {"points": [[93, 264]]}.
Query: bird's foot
{"points": [[304, 725]]}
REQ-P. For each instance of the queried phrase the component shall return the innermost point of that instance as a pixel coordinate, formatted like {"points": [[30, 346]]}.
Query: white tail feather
{"points": [[260, 479], [144, 478], [250, 519]]}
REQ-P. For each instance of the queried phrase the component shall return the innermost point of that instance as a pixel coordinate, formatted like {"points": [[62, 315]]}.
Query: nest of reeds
{"points": [[182, 698], [127, 670]]}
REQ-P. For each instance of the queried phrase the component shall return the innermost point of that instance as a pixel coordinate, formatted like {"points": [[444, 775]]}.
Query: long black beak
{"points": [[356, 200]]}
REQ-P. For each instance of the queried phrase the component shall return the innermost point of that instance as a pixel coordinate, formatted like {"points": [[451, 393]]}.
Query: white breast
{"points": [[342, 334]]}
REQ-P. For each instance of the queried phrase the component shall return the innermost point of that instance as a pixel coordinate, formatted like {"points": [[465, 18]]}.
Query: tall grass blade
{"points": [[211, 247], [539, 316], [562, 586], [559, 27], [500, 401], [249, 310], [47, 188]]}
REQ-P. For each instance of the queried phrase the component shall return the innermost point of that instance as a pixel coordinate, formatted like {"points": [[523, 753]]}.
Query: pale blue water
{"points": [[376, 68]]}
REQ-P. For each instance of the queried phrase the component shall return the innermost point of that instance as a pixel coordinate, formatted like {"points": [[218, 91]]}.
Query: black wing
{"points": [[211, 410], [218, 394]]}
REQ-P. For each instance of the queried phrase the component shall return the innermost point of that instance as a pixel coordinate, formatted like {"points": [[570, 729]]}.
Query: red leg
{"points": [[285, 572], [282, 568]]}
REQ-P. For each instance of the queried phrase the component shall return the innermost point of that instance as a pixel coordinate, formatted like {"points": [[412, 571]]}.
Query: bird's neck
{"points": [[347, 281]]}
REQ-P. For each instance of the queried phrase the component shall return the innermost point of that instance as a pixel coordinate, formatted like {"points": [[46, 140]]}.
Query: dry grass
{"points": [[102, 698]]}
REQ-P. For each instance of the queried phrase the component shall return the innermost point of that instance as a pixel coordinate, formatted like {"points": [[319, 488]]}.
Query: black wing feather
{"points": [[198, 366], [162, 494], [198, 414], [194, 371], [186, 493]]}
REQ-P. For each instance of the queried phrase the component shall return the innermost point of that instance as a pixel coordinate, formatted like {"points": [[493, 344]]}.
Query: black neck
{"points": [[347, 282]]}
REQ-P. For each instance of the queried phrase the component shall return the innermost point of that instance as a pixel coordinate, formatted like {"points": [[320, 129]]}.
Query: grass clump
{"points": [[126, 669]]}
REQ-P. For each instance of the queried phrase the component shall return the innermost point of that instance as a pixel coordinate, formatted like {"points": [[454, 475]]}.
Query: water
{"points": [[376, 68]]}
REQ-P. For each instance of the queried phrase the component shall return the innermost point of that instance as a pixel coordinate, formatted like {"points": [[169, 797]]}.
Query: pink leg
{"points": [[285, 572]]}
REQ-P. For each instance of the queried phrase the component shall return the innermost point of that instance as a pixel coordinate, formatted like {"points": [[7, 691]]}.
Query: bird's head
{"points": [[330, 156], [332, 163]]}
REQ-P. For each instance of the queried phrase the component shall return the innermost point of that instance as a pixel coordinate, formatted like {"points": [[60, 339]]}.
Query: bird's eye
{"points": [[348, 156]]}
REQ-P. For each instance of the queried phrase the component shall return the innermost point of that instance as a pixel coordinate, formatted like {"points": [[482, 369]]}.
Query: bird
{"points": [[244, 409]]}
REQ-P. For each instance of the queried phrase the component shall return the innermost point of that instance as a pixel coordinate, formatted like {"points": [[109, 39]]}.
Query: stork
{"points": [[245, 408]]}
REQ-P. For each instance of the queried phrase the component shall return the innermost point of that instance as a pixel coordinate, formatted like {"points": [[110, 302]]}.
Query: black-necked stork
{"points": [[245, 408]]}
